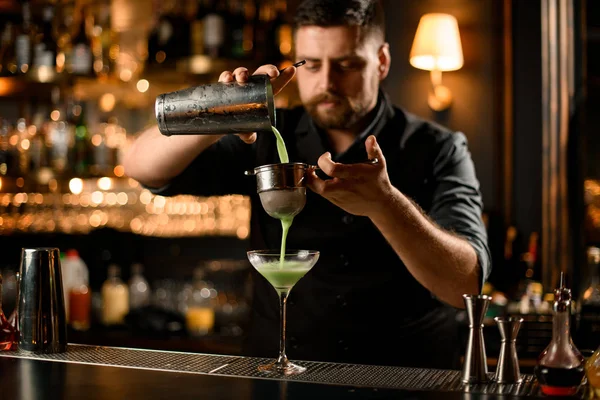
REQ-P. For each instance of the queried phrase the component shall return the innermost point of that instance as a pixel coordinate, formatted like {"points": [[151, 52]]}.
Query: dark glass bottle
{"points": [[44, 49], [8, 55], [24, 39], [560, 367], [80, 60], [587, 332]]}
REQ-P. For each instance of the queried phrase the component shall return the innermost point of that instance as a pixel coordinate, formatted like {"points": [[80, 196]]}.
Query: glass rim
{"points": [[288, 252]]}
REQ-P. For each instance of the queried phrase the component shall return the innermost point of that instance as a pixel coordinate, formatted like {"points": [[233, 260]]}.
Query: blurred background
{"points": [[78, 80]]}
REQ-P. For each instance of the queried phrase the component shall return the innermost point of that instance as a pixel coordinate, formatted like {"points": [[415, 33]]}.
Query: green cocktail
{"points": [[283, 272], [283, 275]]}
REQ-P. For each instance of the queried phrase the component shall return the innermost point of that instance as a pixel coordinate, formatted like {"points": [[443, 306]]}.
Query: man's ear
{"points": [[385, 60]]}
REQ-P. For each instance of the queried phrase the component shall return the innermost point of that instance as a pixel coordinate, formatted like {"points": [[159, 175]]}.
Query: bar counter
{"points": [[103, 373]]}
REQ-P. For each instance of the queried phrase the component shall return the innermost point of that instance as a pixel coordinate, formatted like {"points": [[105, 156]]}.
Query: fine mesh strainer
{"points": [[282, 187]]}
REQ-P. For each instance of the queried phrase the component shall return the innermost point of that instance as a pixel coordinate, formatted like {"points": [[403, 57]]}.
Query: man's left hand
{"points": [[359, 189]]}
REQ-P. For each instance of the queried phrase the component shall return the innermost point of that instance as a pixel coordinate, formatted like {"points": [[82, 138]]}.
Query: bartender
{"points": [[401, 241]]}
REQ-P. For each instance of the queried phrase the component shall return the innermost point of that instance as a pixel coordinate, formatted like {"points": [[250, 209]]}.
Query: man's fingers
{"points": [[268, 69], [241, 74], [325, 188], [333, 169], [226, 77]]}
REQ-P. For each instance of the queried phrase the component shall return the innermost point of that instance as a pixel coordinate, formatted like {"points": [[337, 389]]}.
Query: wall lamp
{"points": [[437, 48]]}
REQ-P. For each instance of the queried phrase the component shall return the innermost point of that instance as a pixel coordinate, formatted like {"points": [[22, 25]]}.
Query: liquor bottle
{"points": [[5, 153], [139, 289], [8, 56], [103, 38], [214, 29], [560, 367], [200, 314], [24, 40], [197, 29], [283, 32], [63, 34], [80, 153], [39, 160], [80, 294], [265, 35], [588, 307], [115, 298], [80, 58], [60, 134], [44, 48], [161, 41], [7, 332], [236, 26]]}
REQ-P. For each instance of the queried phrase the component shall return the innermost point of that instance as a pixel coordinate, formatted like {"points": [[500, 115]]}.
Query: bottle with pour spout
{"points": [[560, 367]]}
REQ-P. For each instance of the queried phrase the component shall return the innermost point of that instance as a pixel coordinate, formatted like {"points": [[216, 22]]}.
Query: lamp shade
{"points": [[437, 44]]}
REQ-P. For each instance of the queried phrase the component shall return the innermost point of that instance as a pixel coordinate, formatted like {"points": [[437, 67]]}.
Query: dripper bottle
{"points": [[560, 367], [7, 332]]}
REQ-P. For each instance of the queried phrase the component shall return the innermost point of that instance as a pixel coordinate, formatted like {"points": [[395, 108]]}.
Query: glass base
{"points": [[282, 368]]}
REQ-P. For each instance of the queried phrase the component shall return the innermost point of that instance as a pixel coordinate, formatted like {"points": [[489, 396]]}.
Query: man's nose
{"points": [[327, 79]]}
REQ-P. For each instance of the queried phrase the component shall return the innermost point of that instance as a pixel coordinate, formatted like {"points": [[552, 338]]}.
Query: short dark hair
{"points": [[367, 14]]}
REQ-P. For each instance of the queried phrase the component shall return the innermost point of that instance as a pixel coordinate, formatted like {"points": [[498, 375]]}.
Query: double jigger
{"points": [[475, 363]]}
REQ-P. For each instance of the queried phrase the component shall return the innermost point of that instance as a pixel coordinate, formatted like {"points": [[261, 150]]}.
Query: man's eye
{"points": [[348, 66], [312, 67]]}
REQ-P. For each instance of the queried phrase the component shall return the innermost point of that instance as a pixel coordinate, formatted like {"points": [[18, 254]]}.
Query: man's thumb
{"points": [[373, 149]]}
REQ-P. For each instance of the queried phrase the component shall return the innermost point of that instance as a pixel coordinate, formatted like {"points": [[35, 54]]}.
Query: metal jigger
{"points": [[507, 370], [475, 363]]}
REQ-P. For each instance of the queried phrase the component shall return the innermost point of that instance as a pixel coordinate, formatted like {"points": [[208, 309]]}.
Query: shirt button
{"points": [[347, 219]]}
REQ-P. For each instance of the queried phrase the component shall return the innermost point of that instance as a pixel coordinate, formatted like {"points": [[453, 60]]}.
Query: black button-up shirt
{"points": [[343, 309]]}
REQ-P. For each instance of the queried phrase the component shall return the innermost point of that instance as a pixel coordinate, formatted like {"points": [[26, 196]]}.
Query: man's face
{"points": [[340, 81]]}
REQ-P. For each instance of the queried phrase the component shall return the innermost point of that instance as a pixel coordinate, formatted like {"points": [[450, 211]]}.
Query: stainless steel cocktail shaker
{"points": [[41, 307], [217, 108]]}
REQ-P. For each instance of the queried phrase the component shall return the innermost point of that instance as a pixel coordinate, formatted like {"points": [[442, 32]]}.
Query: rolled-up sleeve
{"points": [[457, 203], [218, 171]]}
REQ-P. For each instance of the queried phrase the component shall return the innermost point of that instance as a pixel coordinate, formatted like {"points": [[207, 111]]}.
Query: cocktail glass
{"points": [[283, 273]]}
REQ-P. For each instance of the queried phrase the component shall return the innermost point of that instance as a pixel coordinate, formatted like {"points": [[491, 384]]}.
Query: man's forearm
{"points": [[444, 264], [154, 159]]}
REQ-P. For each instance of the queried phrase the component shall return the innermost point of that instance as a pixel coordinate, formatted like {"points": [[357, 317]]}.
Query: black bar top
{"points": [[104, 373]]}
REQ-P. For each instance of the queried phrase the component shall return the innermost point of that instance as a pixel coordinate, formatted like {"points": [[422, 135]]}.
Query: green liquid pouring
{"points": [[281, 149], [285, 222]]}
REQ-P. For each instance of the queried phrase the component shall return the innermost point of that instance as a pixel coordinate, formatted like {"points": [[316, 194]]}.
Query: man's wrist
{"points": [[389, 205]]}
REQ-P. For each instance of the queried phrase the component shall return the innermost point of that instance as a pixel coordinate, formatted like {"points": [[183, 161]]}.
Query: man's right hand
{"points": [[278, 80]]}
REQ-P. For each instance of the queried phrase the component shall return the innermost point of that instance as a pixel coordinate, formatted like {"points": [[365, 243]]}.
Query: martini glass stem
{"points": [[282, 360]]}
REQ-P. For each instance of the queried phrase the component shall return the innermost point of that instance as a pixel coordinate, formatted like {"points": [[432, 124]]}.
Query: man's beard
{"points": [[342, 116]]}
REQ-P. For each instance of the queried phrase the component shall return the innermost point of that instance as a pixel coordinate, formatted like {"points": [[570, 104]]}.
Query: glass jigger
{"points": [[283, 273]]}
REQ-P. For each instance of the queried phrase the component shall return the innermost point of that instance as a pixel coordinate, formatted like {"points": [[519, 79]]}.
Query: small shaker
{"points": [[507, 370], [475, 363]]}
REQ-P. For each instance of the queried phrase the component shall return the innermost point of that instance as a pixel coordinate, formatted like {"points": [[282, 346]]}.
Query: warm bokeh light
{"points": [[107, 102], [119, 171], [143, 85], [76, 185], [104, 183], [55, 115]]}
